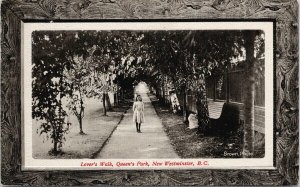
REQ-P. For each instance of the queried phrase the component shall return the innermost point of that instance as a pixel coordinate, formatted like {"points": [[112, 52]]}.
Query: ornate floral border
{"points": [[285, 12]]}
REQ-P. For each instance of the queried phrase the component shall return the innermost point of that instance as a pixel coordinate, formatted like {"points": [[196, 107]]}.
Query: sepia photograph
{"points": [[148, 94]]}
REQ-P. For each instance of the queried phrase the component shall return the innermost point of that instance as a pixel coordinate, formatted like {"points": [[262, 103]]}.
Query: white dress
{"points": [[138, 112]]}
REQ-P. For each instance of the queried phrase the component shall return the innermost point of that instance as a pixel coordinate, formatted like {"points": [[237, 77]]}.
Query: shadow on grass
{"points": [[97, 129]]}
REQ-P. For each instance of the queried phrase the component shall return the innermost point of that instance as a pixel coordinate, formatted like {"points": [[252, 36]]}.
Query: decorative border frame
{"points": [[13, 12]]}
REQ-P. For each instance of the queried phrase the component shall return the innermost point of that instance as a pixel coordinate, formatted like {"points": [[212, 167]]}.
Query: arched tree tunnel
{"points": [[115, 61]]}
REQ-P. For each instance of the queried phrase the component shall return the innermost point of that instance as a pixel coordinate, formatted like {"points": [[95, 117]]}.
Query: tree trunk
{"points": [[202, 110], [107, 100], [118, 95], [227, 85], [215, 88], [104, 107], [80, 125], [163, 90], [115, 99], [55, 142], [157, 92], [184, 107], [80, 115], [248, 149], [56, 132], [55, 150], [122, 95], [79, 118]]}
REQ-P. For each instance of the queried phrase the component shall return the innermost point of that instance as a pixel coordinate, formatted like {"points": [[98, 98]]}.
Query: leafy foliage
{"points": [[93, 63], [48, 86], [77, 78]]}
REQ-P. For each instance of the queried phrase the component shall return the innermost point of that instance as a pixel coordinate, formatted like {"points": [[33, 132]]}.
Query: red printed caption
{"points": [[120, 164]]}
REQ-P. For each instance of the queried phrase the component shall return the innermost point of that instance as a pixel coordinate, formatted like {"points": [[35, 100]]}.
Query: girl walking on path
{"points": [[138, 113]]}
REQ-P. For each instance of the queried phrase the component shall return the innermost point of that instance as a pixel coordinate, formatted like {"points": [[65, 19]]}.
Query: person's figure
{"points": [[138, 113]]}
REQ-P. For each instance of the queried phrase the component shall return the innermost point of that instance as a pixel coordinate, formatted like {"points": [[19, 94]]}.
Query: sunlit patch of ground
{"points": [[96, 126]]}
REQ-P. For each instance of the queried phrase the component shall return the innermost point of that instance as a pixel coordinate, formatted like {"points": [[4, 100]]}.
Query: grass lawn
{"points": [[97, 127], [188, 144]]}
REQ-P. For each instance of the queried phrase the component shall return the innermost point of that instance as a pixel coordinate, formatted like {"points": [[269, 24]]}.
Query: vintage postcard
{"points": [[148, 95]]}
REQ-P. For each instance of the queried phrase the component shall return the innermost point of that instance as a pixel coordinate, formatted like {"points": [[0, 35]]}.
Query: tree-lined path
{"points": [[113, 62], [153, 142]]}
